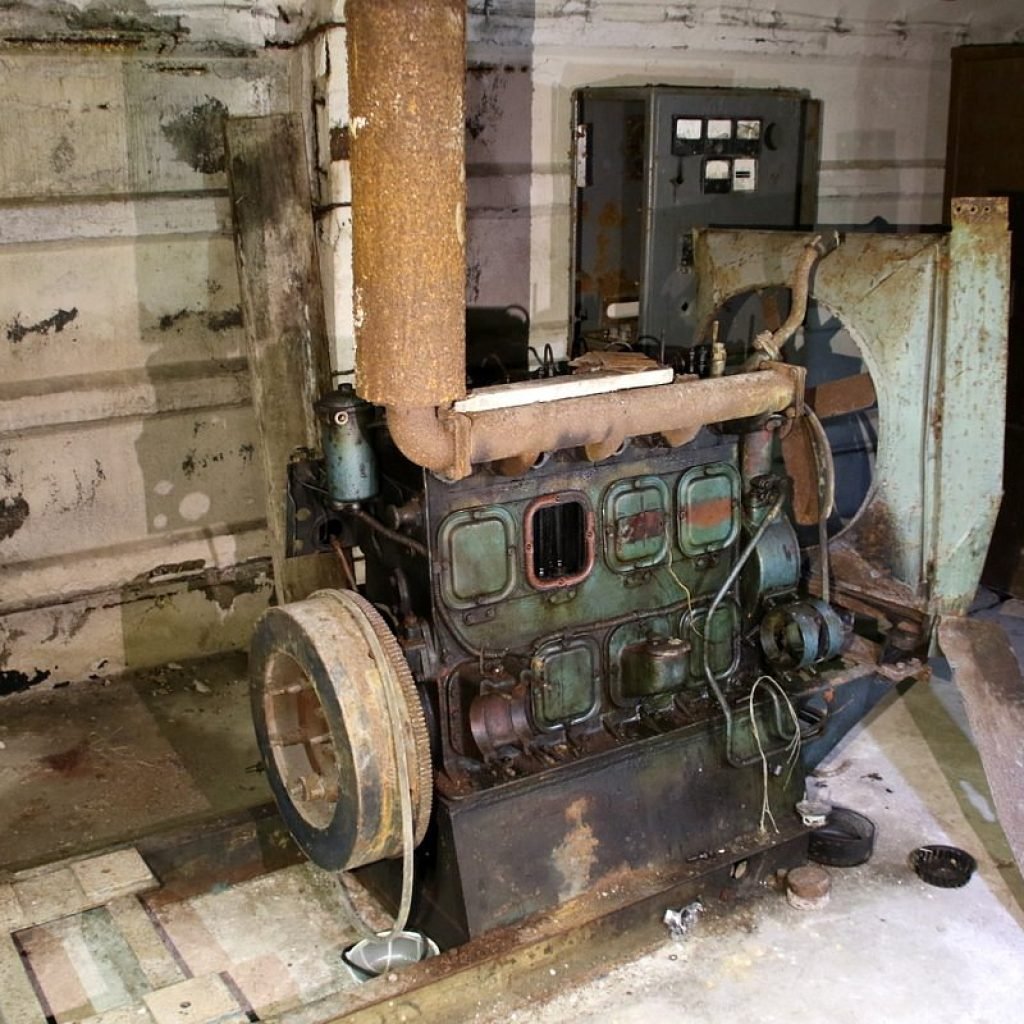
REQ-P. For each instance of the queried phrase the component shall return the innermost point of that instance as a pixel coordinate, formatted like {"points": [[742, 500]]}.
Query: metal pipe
{"points": [[415, 546], [826, 479], [757, 450], [406, 73], [406, 66], [769, 343], [450, 443]]}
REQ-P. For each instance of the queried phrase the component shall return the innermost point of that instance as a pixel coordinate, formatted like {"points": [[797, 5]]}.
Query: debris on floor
{"points": [[682, 921]]}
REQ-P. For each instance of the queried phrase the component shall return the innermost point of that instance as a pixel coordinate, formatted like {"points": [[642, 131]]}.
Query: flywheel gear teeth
{"points": [[364, 614]]}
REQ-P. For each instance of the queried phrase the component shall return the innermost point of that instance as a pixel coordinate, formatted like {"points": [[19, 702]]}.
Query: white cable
{"points": [[793, 747]]}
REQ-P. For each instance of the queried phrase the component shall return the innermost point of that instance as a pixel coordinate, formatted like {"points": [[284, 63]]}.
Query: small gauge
{"points": [[717, 170], [717, 176], [748, 128], [689, 128], [719, 129]]}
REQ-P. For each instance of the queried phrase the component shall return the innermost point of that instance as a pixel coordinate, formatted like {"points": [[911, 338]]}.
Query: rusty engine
{"points": [[583, 637]]}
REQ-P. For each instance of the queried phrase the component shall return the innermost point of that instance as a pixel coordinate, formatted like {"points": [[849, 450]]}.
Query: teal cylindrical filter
{"points": [[349, 459]]}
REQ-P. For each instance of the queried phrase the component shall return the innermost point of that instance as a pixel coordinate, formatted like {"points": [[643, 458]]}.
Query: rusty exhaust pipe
{"points": [[406, 73], [406, 68]]}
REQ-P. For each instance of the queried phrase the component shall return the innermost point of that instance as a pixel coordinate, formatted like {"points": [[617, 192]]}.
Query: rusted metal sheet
{"points": [[988, 676], [838, 397], [406, 65], [939, 380]]}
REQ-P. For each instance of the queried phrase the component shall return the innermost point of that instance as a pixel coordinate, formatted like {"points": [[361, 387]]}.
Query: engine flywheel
{"points": [[334, 702]]}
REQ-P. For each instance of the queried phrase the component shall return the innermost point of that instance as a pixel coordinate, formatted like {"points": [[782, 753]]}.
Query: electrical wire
{"points": [[748, 550], [686, 590], [792, 748]]}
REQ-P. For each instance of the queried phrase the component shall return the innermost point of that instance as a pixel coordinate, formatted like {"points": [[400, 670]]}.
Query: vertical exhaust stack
{"points": [[406, 73]]}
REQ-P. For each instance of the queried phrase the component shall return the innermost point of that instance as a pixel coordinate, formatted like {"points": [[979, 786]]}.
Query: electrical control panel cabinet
{"points": [[653, 163]]}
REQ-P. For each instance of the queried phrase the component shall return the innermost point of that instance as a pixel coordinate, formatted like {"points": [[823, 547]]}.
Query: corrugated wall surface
{"points": [[131, 520]]}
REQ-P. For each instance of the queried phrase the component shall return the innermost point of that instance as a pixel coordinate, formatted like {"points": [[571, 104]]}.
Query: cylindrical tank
{"points": [[406, 70], [349, 460]]}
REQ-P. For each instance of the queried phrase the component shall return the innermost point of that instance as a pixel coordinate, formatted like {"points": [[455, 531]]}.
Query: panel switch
{"points": [[744, 174]]}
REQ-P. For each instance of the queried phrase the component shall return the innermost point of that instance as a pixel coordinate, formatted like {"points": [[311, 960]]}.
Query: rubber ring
{"points": [[845, 840]]}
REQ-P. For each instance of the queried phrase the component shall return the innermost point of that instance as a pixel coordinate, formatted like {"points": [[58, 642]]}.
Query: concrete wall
{"points": [[131, 521], [881, 71], [132, 528]]}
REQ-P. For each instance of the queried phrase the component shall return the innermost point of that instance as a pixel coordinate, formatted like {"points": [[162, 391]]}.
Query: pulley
{"points": [[334, 706], [802, 633]]}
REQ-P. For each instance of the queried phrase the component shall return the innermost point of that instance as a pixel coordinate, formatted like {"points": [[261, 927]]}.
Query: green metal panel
{"points": [[928, 312], [636, 514], [479, 563], [708, 509], [566, 682], [968, 402], [606, 593]]}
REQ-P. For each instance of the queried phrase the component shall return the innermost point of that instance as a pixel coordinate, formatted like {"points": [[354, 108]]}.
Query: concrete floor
{"points": [[109, 760], [100, 763]]}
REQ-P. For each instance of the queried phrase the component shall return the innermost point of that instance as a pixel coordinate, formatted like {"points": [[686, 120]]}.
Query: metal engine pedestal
{"points": [[667, 804]]}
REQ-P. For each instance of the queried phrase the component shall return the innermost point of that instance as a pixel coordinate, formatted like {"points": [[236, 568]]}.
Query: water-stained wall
{"points": [[131, 507], [132, 526]]}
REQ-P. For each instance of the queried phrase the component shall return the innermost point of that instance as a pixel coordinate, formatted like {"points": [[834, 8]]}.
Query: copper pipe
{"points": [[406, 72]]}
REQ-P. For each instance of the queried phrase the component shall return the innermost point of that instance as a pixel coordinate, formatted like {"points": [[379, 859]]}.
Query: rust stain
{"points": [[642, 526], [610, 215], [877, 537], [340, 140], [68, 762], [705, 515], [576, 856]]}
